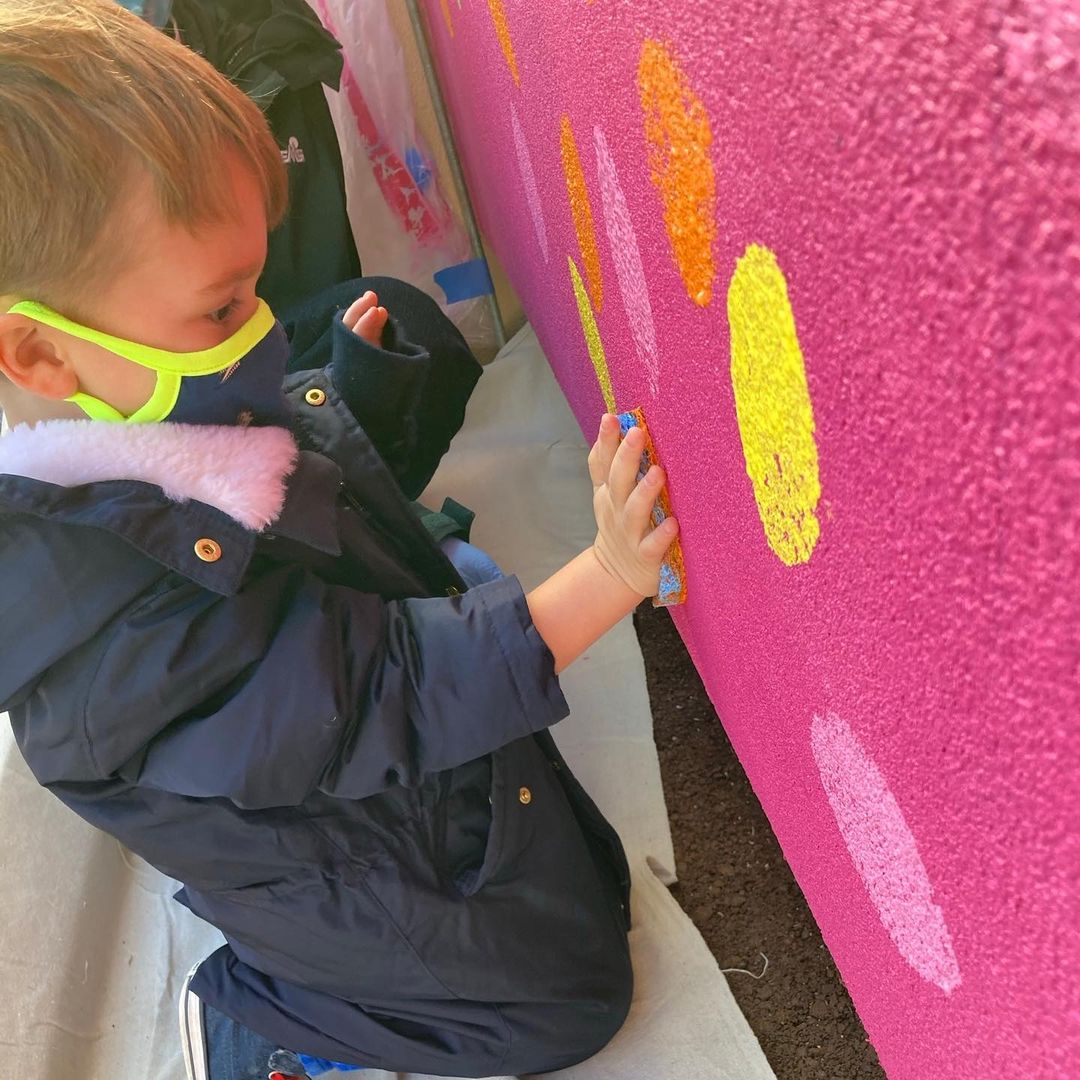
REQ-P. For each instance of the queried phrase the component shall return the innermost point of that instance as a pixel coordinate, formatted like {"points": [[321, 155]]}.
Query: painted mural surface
{"points": [[832, 249]]}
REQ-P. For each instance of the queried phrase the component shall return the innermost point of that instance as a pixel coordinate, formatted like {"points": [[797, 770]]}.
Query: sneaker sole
{"points": [[192, 1033]]}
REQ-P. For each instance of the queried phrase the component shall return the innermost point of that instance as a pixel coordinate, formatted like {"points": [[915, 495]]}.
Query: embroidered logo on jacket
{"points": [[293, 152]]}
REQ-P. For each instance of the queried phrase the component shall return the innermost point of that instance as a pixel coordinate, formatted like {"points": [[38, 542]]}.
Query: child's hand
{"points": [[626, 545], [366, 319]]}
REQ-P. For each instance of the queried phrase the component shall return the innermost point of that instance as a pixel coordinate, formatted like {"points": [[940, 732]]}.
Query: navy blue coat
{"points": [[338, 749]]}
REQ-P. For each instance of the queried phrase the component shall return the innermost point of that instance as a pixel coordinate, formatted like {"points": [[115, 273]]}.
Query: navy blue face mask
{"points": [[235, 383]]}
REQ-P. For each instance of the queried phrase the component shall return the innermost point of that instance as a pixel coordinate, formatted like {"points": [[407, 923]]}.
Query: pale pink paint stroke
{"points": [[528, 181], [884, 851], [1042, 42], [628, 265], [1042, 37]]}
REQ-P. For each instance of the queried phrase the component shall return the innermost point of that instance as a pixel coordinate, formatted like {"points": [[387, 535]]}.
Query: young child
{"points": [[227, 637]]}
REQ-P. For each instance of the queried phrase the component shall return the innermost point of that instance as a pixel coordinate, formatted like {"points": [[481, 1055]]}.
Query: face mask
{"points": [[235, 383]]}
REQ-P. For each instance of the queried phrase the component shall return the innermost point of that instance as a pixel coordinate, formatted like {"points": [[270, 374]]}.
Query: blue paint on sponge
{"points": [[673, 570]]}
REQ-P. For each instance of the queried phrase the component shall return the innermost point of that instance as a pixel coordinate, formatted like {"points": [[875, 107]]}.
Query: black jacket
{"points": [[297, 728]]}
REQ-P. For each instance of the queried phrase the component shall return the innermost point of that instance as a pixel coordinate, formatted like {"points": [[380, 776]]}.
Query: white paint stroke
{"points": [[884, 851], [528, 180], [627, 257]]}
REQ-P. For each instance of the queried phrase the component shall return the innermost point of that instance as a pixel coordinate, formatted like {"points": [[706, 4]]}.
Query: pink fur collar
{"points": [[239, 470]]}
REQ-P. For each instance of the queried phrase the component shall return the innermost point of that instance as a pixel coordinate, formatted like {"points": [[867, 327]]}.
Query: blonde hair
{"points": [[89, 96]]}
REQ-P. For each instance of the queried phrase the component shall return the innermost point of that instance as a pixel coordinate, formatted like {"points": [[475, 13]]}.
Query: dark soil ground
{"points": [[735, 885]]}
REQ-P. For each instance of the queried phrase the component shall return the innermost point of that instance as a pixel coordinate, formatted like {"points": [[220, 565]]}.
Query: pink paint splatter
{"points": [[884, 851], [628, 264], [528, 181]]}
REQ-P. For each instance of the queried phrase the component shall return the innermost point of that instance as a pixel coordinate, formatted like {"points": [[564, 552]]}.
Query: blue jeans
{"points": [[236, 1053], [474, 566]]}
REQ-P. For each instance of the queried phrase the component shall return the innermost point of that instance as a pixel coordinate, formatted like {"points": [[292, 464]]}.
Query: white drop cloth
{"points": [[94, 950]]}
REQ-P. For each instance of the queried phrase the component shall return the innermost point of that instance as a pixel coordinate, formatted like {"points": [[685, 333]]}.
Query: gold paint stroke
{"points": [[772, 400], [592, 336]]}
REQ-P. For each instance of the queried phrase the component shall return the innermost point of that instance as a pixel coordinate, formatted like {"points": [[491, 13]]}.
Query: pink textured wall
{"points": [[837, 263]]}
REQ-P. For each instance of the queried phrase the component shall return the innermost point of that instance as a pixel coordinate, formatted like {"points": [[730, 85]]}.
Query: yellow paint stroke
{"points": [[502, 31], [582, 211], [772, 400], [678, 135], [592, 336], [447, 16]]}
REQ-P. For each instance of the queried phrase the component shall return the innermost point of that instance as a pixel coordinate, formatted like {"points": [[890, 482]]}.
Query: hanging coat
{"points": [[278, 53]]}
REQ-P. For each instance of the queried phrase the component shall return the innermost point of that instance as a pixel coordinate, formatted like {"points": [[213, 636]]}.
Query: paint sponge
{"points": [[673, 570]]}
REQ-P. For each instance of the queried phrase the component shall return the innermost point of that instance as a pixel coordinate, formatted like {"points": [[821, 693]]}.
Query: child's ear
{"points": [[30, 360]]}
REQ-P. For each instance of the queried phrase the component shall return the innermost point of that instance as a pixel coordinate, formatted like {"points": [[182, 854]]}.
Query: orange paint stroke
{"points": [[447, 17], [502, 31], [582, 211], [679, 136]]}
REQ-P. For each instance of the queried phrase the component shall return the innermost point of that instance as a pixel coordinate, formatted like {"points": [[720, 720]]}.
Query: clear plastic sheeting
{"points": [[402, 222]]}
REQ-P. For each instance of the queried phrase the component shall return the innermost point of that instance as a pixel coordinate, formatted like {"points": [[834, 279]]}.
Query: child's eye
{"points": [[223, 313]]}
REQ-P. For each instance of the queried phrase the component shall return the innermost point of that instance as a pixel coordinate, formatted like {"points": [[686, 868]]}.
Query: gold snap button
{"points": [[452, 590], [208, 550], [525, 795], [315, 396]]}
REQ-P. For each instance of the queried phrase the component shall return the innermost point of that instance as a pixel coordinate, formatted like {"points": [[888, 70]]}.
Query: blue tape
{"points": [[465, 281]]}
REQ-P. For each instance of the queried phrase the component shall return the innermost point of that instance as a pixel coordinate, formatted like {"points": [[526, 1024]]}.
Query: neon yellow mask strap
{"points": [[170, 366], [201, 362]]}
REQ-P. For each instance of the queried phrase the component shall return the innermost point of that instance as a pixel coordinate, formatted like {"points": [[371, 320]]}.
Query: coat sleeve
{"points": [[293, 685], [408, 395]]}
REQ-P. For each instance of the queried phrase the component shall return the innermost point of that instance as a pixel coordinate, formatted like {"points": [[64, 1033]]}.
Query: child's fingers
{"points": [[603, 450], [654, 547], [369, 326], [640, 502], [624, 468], [364, 303]]}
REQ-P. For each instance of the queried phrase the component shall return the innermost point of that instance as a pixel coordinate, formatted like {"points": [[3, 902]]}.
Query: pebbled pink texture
{"points": [[915, 169]]}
